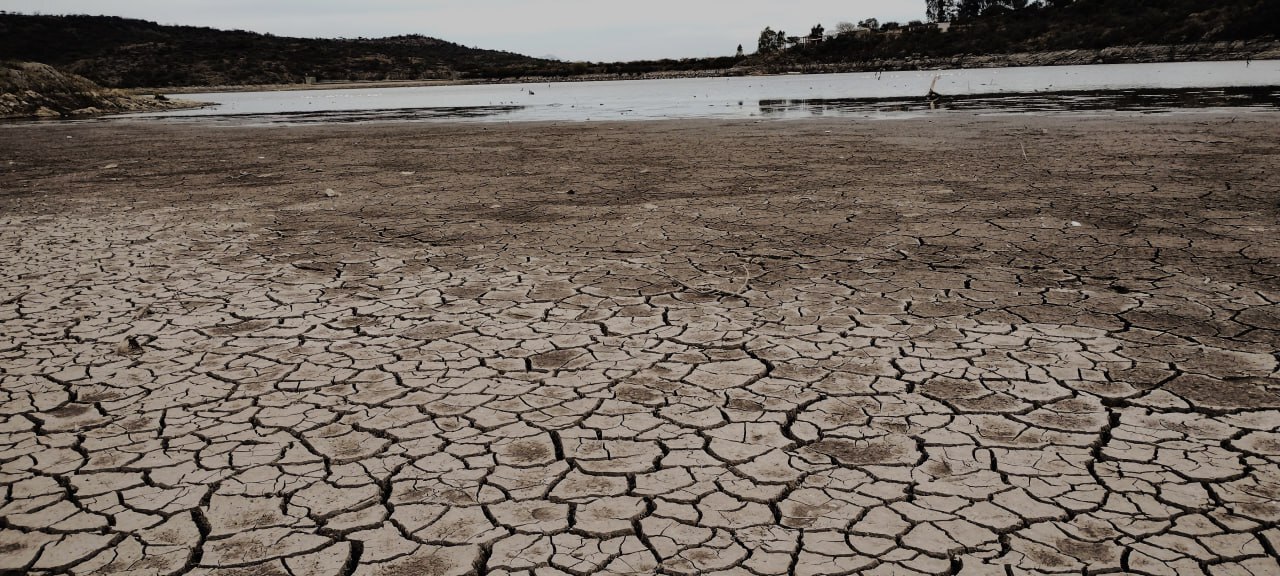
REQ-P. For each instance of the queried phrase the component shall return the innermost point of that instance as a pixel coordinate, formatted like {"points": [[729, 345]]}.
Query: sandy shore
{"points": [[935, 346]]}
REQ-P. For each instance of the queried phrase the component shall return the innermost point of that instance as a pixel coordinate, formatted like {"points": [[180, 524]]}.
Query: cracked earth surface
{"points": [[956, 346]]}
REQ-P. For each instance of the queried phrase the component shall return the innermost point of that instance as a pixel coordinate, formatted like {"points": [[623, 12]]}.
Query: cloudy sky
{"points": [[569, 29]]}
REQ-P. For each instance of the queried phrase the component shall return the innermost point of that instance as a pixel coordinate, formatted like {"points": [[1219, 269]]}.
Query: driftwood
{"points": [[933, 97]]}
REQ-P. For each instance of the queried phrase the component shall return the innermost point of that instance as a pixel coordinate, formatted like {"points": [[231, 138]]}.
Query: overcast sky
{"points": [[568, 29]]}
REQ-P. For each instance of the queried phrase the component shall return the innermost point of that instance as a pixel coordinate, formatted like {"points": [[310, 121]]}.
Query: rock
{"points": [[129, 347], [31, 90]]}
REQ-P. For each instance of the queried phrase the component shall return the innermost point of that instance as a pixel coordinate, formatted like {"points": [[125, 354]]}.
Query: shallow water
{"points": [[1136, 87], [1133, 100]]}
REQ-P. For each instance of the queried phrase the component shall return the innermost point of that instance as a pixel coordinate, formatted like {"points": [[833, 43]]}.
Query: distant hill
{"points": [[1019, 26], [126, 53]]}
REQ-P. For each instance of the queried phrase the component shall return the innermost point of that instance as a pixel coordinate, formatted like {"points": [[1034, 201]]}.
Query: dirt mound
{"points": [[32, 90]]}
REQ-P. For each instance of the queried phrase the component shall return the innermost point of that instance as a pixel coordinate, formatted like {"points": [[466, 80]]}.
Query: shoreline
{"points": [[1118, 103], [1211, 52]]}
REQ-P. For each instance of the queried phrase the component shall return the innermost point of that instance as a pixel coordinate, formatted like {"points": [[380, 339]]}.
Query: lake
{"points": [[1135, 87]]}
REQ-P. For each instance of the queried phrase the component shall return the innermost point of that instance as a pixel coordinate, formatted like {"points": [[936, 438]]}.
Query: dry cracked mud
{"points": [[953, 345]]}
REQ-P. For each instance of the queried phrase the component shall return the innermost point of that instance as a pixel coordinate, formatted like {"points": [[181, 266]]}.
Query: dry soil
{"points": [[974, 345]]}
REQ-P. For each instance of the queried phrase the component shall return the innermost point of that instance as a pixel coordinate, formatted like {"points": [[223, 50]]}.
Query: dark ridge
{"points": [[128, 53]]}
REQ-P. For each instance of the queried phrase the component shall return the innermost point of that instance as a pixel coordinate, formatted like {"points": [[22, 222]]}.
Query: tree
{"points": [[816, 32], [771, 41], [845, 28], [971, 8], [870, 24], [740, 54], [977, 8], [768, 41], [940, 10]]}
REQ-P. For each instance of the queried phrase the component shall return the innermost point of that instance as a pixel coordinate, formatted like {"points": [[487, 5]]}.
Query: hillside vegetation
{"points": [[122, 52], [1061, 25]]}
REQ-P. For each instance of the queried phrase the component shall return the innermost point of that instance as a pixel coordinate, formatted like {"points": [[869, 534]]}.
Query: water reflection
{"points": [[1051, 88], [1146, 100], [352, 116]]}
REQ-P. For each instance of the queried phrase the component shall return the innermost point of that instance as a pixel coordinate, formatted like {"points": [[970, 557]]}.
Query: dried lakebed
{"points": [[951, 346]]}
